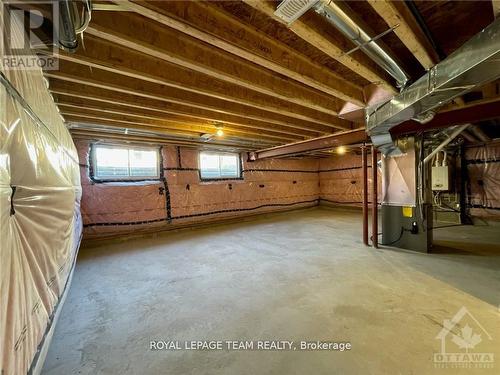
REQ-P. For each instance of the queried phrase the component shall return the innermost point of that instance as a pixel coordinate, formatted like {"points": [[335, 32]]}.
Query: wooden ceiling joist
{"points": [[107, 135], [397, 16], [172, 119], [320, 40], [112, 58], [173, 47], [71, 74], [129, 120], [134, 103], [96, 124], [202, 21]]}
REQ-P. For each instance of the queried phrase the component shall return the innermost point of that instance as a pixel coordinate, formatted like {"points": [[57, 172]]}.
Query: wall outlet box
{"points": [[440, 178]]}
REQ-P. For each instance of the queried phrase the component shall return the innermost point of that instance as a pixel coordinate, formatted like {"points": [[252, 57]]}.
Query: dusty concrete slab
{"points": [[301, 275]]}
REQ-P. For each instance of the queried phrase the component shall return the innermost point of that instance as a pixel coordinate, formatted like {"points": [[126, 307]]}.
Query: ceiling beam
{"points": [[130, 121], [107, 134], [397, 16], [112, 58], [179, 49], [211, 25], [172, 119], [84, 95], [315, 144], [76, 122], [70, 74], [319, 39], [482, 110]]}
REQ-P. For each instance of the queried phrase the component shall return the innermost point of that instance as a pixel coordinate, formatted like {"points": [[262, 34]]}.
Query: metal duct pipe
{"points": [[346, 25], [443, 144], [470, 66], [68, 16], [334, 12], [67, 33]]}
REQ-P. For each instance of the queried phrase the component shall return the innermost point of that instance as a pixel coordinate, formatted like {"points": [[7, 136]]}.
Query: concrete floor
{"points": [[302, 275]]}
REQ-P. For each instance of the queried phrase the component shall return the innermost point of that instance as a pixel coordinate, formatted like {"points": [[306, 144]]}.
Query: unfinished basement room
{"points": [[286, 187]]}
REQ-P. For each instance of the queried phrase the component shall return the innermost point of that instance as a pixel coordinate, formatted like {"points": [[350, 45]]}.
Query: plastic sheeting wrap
{"points": [[40, 217], [181, 198], [483, 168], [399, 185], [341, 180]]}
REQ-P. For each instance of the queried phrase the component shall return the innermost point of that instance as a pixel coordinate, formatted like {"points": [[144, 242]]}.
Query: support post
{"points": [[374, 199], [364, 163]]}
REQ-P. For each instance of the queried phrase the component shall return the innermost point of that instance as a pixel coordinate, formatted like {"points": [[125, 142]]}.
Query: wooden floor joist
{"points": [[71, 74], [179, 49], [397, 15], [110, 109], [107, 135], [96, 121], [320, 40], [128, 120], [202, 21], [135, 103], [112, 58]]}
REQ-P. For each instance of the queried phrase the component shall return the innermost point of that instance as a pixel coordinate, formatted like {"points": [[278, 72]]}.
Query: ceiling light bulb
{"points": [[341, 150], [220, 132]]}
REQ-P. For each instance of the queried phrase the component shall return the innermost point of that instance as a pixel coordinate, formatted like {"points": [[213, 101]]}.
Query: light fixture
{"points": [[341, 150], [219, 128]]}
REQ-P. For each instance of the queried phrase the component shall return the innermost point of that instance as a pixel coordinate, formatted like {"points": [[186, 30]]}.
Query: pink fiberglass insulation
{"points": [[341, 180], [180, 197], [483, 169]]}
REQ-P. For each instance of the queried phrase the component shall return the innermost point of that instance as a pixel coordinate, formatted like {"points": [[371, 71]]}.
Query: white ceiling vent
{"points": [[290, 10]]}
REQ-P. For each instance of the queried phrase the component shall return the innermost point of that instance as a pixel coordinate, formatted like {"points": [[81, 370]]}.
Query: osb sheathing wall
{"points": [[341, 180], [483, 169], [182, 198]]}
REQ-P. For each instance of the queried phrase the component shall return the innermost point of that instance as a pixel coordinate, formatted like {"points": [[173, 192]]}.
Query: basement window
{"points": [[111, 162], [214, 166]]}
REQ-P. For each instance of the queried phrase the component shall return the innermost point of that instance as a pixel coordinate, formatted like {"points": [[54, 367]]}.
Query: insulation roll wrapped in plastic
{"points": [[40, 218]]}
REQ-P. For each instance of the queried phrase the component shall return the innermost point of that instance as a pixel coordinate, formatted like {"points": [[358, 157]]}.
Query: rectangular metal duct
{"points": [[475, 63]]}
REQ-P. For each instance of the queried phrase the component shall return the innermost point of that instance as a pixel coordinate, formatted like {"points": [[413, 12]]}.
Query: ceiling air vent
{"points": [[290, 10]]}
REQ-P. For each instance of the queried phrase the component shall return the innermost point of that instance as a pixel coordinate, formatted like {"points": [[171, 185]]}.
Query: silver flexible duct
{"points": [[341, 20]]}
